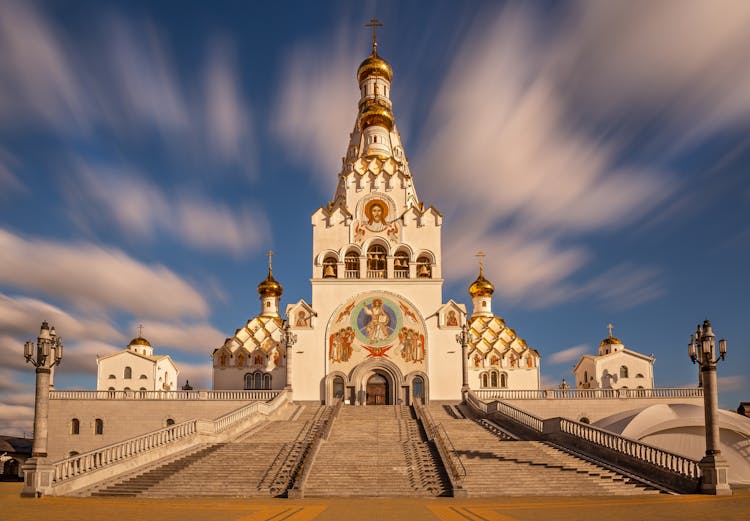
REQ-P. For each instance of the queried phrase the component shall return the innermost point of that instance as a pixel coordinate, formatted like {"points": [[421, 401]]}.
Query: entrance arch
{"points": [[376, 390]]}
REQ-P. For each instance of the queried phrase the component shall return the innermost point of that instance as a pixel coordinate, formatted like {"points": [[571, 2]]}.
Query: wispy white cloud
{"points": [[142, 209], [184, 337], [199, 375], [567, 355], [729, 384], [317, 105], [9, 181], [93, 277]]}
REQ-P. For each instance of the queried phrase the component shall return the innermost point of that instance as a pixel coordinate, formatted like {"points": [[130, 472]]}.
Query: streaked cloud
{"points": [[728, 384], [199, 375], [567, 355], [182, 337], [9, 181], [141, 209], [95, 278], [317, 106]]}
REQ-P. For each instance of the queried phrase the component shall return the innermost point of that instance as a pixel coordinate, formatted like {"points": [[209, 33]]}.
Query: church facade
{"points": [[377, 330]]}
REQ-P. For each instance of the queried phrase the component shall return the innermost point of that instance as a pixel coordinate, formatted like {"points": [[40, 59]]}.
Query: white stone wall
{"points": [[606, 371]]}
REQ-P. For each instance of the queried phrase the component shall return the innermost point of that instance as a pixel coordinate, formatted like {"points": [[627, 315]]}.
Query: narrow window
{"points": [[338, 387], [266, 381], [75, 426], [503, 380], [257, 382], [418, 387], [401, 265], [424, 268], [493, 379], [623, 371], [376, 262], [128, 373], [484, 379], [351, 265], [330, 266], [99, 426]]}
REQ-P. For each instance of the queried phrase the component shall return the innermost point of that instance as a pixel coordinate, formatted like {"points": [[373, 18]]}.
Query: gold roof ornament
{"points": [[374, 113], [481, 287], [374, 65], [139, 340], [270, 287], [610, 339]]}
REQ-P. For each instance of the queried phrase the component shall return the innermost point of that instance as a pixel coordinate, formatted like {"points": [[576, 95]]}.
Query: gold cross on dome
{"points": [[140, 330], [374, 23], [481, 256], [610, 327], [270, 255]]}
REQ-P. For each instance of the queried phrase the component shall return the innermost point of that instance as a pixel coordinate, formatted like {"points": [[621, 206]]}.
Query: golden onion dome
{"points": [[139, 341], [375, 114], [374, 65], [481, 287], [269, 287], [610, 340]]}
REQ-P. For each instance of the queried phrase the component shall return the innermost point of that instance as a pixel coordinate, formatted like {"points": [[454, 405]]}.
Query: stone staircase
{"points": [[377, 451], [258, 463], [504, 467]]}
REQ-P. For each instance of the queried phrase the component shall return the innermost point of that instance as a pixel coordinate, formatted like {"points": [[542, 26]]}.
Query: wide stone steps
{"points": [[496, 467], [256, 464], [376, 451]]}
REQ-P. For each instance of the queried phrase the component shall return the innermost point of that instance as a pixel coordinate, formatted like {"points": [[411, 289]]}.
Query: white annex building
{"points": [[377, 330], [136, 369], [615, 367]]}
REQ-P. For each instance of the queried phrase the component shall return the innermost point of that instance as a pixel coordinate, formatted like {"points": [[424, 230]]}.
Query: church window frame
{"points": [[494, 380], [485, 380], [351, 264], [377, 261], [503, 380], [98, 427], [75, 426], [624, 371], [401, 265], [338, 387], [127, 373]]}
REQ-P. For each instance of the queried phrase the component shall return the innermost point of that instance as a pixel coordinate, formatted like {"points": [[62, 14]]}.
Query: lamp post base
{"points": [[714, 475], [37, 478]]}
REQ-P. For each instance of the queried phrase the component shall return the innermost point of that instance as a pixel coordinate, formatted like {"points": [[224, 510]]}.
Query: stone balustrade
{"points": [[263, 395], [587, 394], [451, 462], [145, 449]]}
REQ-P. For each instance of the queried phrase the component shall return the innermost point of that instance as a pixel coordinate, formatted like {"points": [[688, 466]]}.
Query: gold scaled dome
{"points": [[481, 287], [374, 65], [269, 287], [374, 113], [139, 341]]}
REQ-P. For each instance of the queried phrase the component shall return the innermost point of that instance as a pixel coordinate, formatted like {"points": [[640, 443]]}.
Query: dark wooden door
{"points": [[377, 390]]}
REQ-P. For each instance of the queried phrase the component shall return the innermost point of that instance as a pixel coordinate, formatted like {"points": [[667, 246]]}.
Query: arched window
{"points": [[112, 377], [424, 268], [623, 371], [584, 420], [351, 265], [338, 387], [266, 381], [128, 373], [258, 380], [143, 389], [484, 379], [73, 453], [585, 376], [330, 268], [639, 375], [376, 262], [99, 426], [170, 421], [75, 426], [503, 380], [401, 265], [143, 377], [493, 379], [248, 381], [111, 389], [418, 388]]}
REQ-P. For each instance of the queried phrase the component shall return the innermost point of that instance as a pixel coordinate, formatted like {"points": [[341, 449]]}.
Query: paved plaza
{"points": [[14, 508]]}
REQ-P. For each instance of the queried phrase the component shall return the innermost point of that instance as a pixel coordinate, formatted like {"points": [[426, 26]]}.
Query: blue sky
{"points": [[151, 152]]}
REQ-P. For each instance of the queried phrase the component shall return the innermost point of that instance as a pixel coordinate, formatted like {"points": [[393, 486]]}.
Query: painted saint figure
{"points": [[376, 212], [412, 345], [452, 319], [302, 319], [340, 348], [377, 328]]}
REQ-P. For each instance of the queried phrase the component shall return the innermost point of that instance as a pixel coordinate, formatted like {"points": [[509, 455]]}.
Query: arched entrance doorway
{"points": [[377, 390]]}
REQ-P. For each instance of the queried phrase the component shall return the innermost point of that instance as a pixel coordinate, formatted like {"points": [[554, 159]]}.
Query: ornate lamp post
{"points": [[463, 338], [47, 353], [289, 340], [702, 350]]}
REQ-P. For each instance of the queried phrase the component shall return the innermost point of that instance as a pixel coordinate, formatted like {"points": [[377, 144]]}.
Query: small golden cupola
{"points": [[481, 291], [375, 109], [270, 292], [140, 345], [611, 344]]}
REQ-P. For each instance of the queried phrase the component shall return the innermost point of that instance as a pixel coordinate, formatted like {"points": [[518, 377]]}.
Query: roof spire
{"points": [[140, 330], [481, 256], [610, 327], [374, 23], [270, 255]]}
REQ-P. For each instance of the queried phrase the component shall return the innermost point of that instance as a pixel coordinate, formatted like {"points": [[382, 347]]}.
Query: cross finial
{"points": [[610, 327], [140, 330], [481, 256], [374, 23], [270, 255]]}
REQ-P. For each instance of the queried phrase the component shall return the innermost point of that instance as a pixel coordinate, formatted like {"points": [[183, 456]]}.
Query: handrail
{"points": [[96, 459], [253, 395], [587, 394], [656, 456], [531, 421], [436, 433], [310, 454]]}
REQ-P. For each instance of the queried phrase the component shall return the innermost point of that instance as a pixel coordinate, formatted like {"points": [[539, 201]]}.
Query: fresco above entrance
{"points": [[376, 325]]}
